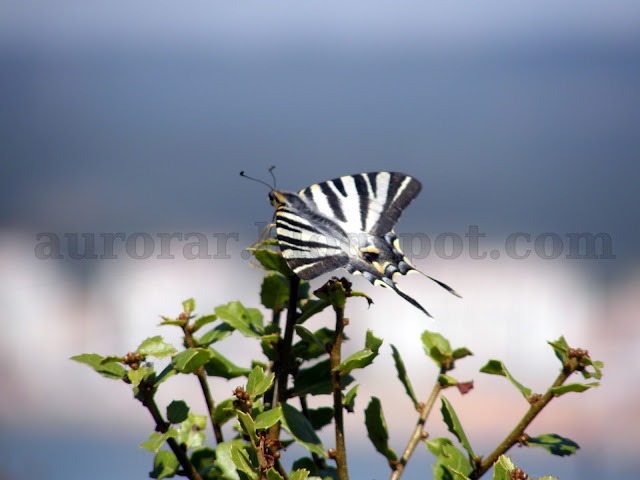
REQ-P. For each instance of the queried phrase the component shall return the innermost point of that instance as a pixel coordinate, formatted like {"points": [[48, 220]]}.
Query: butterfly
{"points": [[348, 222]]}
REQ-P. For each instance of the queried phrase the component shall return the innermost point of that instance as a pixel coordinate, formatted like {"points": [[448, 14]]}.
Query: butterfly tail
{"points": [[404, 266], [384, 281], [387, 282]]}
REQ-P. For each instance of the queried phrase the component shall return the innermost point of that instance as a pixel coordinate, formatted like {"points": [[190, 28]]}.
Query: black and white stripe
{"points": [[348, 222]]}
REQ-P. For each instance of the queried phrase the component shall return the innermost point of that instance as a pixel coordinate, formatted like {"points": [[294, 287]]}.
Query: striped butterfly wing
{"points": [[366, 203], [348, 222], [310, 242]]}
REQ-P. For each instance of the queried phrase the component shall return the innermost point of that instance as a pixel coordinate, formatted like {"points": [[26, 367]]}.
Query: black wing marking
{"points": [[308, 243], [400, 191], [367, 202]]}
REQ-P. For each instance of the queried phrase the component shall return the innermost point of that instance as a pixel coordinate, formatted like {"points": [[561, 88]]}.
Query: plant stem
{"points": [[162, 426], [204, 385], [417, 434], [338, 410], [274, 366], [518, 431], [285, 350], [317, 459]]}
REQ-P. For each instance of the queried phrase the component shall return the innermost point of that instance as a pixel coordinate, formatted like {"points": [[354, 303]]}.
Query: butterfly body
{"points": [[347, 222]]}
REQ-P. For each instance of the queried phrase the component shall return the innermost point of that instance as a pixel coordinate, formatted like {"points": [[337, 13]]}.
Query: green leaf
{"points": [[363, 295], [189, 305], [307, 336], [216, 334], [202, 321], [191, 359], [191, 433], [220, 366], [436, 347], [349, 401], [273, 475], [314, 346], [269, 345], [299, 475], [561, 349], [172, 321], [242, 462], [272, 261], [167, 372], [225, 462], [177, 411], [462, 352], [334, 292], [303, 290], [502, 468], [156, 347], [446, 381], [111, 359], [268, 418], [241, 318], [224, 411], [156, 440], [274, 293], [136, 376], [402, 374], [248, 425], [269, 242], [300, 429], [450, 459], [316, 380], [361, 358], [320, 417], [597, 366], [496, 367], [305, 463], [572, 387], [203, 458], [310, 308], [554, 443], [256, 319], [377, 429], [457, 474], [258, 382], [165, 465], [372, 342], [453, 423], [112, 370]]}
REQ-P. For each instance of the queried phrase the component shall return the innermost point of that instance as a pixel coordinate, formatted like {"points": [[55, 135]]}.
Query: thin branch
{"points": [[516, 434], [162, 426], [274, 366], [204, 385], [338, 410], [285, 350], [418, 432]]}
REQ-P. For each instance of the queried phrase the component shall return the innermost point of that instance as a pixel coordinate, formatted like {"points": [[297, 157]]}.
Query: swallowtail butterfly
{"points": [[348, 222]]}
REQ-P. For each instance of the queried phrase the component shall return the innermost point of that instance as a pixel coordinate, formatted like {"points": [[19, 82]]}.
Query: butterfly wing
{"points": [[348, 222], [309, 241], [368, 202]]}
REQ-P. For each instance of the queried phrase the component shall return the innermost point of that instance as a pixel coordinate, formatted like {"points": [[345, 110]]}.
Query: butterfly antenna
{"points": [[242, 174], [273, 176]]}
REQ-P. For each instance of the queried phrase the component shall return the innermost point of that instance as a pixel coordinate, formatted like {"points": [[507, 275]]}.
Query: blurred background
{"points": [[136, 118]]}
